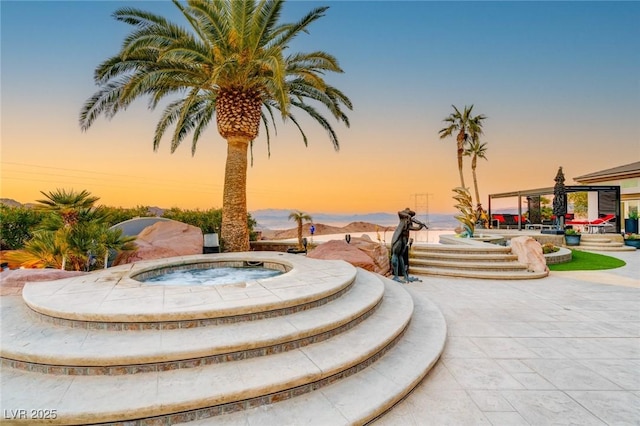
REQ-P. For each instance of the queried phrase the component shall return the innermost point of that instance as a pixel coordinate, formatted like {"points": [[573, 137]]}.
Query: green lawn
{"points": [[585, 261]]}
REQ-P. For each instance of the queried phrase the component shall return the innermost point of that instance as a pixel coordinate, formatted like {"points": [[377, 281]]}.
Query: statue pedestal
{"points": [[552, 231]]}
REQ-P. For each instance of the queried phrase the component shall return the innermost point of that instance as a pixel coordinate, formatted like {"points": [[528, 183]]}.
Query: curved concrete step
{"points": [[32, 341], [590, 239], [367, 394], [594, 247], [603, 242], [468, 265], [483, 261], [464, 257], [215, 388], [606, 243], [462, 248], [491, 275]]}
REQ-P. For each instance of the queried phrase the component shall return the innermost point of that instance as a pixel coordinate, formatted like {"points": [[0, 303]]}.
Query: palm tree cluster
{"points": [[75, 235], [229, 61], [468, 129]]}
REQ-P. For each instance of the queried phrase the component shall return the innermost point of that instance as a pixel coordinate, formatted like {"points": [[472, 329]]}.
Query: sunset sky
{"points": [[558, 81]]}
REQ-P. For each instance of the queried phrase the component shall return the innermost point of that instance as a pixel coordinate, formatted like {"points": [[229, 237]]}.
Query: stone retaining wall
{"points": [[562, 256]]}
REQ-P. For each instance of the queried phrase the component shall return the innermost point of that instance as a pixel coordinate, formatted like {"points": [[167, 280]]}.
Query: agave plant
{"points": [[467, 216]]}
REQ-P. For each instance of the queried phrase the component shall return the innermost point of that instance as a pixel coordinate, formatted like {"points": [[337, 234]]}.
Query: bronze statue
{"points": [[400, 244]]}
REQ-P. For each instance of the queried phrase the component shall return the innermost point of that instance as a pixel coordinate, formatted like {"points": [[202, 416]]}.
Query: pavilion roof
{"points": [[626, 171]]}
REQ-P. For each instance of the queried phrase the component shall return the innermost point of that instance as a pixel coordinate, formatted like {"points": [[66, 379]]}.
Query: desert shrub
{"points": [[18, 225], [209, 221], [116, 215]]}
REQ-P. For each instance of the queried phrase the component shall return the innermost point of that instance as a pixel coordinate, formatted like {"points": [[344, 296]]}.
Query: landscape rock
{"points": [[164, 239], [361, 252], [12, 280], [529, 252], [378, 252]]}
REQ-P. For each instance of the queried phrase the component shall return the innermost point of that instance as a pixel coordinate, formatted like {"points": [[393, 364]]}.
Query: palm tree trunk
{"points": [[475, 180], [460, 139], [300, 233], [235, 232]]}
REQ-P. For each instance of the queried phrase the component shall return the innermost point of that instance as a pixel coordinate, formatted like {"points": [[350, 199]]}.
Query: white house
{"points": [[627, 177]]}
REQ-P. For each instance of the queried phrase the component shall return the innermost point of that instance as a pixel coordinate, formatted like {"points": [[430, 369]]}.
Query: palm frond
{"points": [[225, 44]]}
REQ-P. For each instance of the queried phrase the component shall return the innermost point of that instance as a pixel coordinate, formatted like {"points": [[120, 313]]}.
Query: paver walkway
{"points": [[557, 351]]}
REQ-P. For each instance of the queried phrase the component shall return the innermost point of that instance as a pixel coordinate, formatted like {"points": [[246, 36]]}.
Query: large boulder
{"points": [[529, 252], [378, 252], [164, 239], [361, 252]]}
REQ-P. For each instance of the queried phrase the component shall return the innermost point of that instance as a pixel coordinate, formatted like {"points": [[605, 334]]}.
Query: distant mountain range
{"points": [[13, 203], [275, 219], [278, 219]]}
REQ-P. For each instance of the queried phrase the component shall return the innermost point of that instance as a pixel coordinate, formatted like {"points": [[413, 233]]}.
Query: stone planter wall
{"points": [[561, 256]]}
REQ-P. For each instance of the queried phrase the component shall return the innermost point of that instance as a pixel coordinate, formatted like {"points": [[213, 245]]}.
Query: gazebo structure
{"points": [[608, 201]]}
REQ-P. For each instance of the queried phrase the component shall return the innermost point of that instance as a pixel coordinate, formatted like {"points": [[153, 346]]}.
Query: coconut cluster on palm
{"points": [[230, 62]]}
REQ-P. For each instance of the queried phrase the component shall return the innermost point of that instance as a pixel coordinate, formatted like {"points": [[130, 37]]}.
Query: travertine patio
{"points": [[561, 350]]}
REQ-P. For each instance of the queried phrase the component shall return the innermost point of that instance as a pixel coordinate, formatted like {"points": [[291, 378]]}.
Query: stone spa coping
{"points": [[113, 295]]}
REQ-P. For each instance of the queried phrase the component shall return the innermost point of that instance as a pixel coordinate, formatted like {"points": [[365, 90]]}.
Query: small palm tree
{"points": [[113, 240], [300, 217], [476, 150], [467, 128], [44, 250], [70, 209], [231, 61], [74, 233], [69, 206]]}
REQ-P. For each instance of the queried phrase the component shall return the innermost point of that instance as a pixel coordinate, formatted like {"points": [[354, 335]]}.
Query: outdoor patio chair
{"points": [[595, 226], [599, 225]]}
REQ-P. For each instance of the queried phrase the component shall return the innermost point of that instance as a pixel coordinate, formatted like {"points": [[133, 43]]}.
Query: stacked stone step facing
{"points": [[485, 262], [373, 331]]}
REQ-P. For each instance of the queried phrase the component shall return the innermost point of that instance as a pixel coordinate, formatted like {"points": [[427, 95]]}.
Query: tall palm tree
{"points": [[229, 62], [467, 128], [300, 217], [476, 150]]}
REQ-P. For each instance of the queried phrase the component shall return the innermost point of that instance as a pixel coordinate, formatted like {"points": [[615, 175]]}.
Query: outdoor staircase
{"points": [[344, 359], [602, 242], [485, 261]]}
